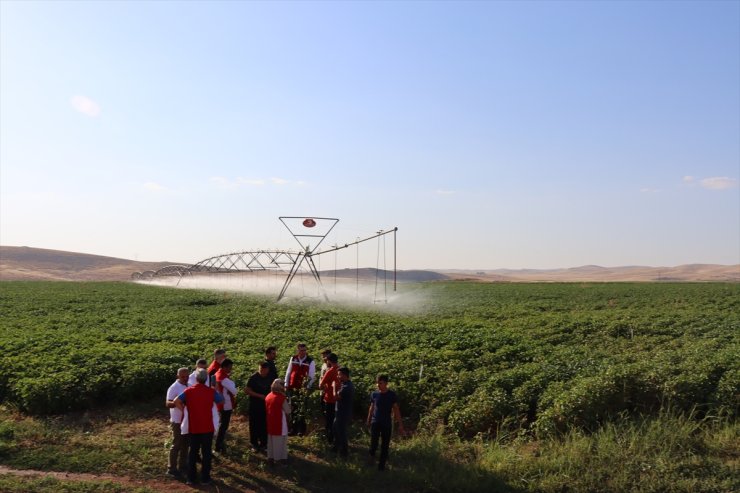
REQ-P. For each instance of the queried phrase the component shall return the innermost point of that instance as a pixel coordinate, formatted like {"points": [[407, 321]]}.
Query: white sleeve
{"points": [[229, 385], [287, 373], [171, 393], [311, 373], [216, 417], [185, 425]]}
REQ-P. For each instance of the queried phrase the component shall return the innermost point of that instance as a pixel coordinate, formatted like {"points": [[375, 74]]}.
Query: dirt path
{"points": [[153, 484]]}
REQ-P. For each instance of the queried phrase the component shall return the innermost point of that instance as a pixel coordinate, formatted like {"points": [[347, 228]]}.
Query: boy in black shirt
{"points": [[383, 403]]}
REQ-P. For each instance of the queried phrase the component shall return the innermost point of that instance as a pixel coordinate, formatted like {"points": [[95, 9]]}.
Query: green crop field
{"points": [[477, 365]]}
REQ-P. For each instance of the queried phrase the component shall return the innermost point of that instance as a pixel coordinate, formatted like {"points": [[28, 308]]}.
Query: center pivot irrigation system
{"points": [[309, 232]]}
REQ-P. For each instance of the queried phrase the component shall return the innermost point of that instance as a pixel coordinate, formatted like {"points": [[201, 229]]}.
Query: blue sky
{"points": [[499, 134]]}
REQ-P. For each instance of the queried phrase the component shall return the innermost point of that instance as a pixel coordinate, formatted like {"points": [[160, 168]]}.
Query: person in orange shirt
{"points": [[327, 385]]}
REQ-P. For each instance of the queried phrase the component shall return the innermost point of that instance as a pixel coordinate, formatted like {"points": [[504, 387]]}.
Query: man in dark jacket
{"points": [[343, 415]]}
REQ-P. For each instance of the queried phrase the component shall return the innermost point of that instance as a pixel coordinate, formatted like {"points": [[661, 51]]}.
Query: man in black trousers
{"points": [[258, 386]]}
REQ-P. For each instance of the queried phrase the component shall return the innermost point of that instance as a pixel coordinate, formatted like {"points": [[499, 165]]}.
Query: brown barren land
{"points": [[26, 263]]}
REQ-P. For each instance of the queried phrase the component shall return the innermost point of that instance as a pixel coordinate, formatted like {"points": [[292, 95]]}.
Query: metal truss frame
{"points": [[300, 235], [271, 260], [247, 261]]}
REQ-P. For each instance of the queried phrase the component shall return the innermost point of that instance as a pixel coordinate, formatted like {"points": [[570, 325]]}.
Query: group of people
{"points": [[201, 404]]}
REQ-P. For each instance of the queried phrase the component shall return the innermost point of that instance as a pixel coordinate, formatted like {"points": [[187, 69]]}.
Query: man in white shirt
{"points": [[177, 464], [201, 363], [227, 388]]}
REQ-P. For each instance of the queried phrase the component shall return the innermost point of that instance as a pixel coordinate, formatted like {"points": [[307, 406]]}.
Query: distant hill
{"points": [[25, 263], [595, 273], [370, 273]]}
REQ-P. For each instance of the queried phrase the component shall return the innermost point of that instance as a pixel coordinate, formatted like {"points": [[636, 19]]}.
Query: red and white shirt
{"points": [[298, 370], [227, 388], [278, 408]]}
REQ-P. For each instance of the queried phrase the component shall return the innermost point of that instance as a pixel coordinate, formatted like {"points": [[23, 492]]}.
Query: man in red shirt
{"points": [[218, 356], [327, 386], [199, 400]]}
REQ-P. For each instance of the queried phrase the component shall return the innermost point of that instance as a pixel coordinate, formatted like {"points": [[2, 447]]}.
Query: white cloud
{"points": [[222, 182], [649, 190], [688, 179], [228, 183], [253, 183], [719, 183], [153, 187], [85, 105], [445, 192]]}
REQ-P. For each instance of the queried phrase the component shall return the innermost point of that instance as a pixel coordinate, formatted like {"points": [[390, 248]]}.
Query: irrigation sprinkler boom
{"points": [[309, 232]]}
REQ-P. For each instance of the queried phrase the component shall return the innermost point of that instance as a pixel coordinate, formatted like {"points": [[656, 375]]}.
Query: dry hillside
{"points": [[25, 263], [595, 273]]}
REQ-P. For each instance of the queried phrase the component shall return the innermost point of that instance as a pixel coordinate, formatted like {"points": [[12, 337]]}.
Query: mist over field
{"points": [[365, 293]]}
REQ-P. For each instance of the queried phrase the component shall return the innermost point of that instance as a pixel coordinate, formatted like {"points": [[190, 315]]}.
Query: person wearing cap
{"points": [[327, 385], [343, 413], [258, 387], [278, 410], [383, 404]]}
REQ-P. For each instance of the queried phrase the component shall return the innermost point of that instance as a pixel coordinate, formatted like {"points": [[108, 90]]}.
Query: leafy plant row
{"points": [[475, 359]]}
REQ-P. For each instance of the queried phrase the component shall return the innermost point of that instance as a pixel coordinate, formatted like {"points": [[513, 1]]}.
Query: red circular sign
{"points": [[309, 223]]}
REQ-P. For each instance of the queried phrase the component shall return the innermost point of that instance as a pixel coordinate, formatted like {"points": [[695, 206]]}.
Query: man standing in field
{"points": [[327, 385], [199, 400], [343, 412], [325, 366], [299, 378], [258, 387], [270, 356], [177, 463], [218, 356], [226, 387], [383, 402], [201, 363]]}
